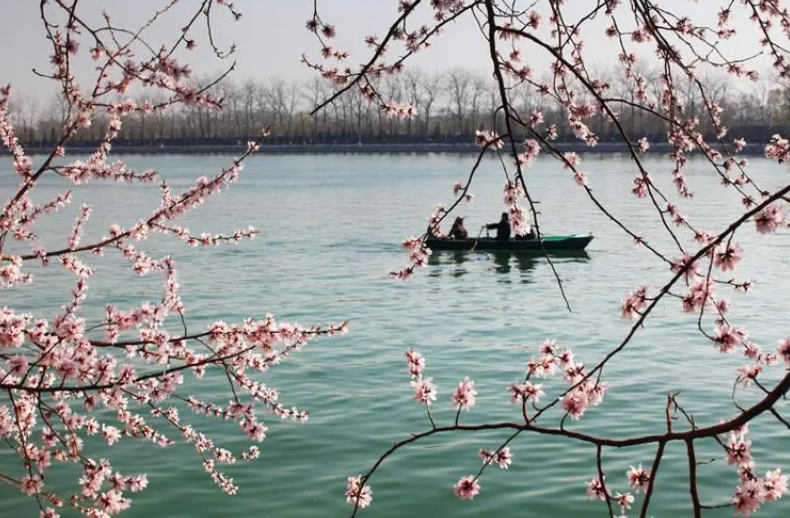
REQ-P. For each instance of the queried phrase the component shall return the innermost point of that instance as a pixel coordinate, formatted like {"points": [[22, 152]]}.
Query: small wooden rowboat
{"points": [[572, 242]]}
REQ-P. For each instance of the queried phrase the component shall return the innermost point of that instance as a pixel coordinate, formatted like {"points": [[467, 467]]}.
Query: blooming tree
{"points": [[644, 32], [132, 373]]}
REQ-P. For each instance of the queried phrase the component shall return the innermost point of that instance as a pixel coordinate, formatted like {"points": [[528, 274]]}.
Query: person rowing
{"points": [[502, 228]]}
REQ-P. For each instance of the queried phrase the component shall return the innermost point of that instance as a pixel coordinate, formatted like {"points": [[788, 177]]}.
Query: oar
{"points": [[474, 245]]}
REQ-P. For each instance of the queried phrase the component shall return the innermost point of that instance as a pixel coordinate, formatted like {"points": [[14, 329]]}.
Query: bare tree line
{"points": [[450, 106]]}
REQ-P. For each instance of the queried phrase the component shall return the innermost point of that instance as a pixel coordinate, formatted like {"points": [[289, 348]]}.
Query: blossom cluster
{"points": [[753, 491], [74, 378], [584, 392]]}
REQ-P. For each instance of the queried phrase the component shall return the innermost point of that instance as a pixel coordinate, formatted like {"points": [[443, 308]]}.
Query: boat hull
{"points": [[575, 242]]}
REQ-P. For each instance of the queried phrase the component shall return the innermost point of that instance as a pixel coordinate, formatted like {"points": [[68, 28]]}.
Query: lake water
{"points": [[331, 228]]}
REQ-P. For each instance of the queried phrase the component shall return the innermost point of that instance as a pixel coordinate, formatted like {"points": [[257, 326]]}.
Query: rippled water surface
{"points": [[331, 228]]}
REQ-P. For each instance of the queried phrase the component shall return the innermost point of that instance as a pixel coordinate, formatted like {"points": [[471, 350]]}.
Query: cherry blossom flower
{"points": [[488, 138], [416, 363], [783, 348], [31, 485], [688, 266], [749, 373], [355, 494], [503, 457], [747, 498], [424, 390], [638, 478], [624, 501], [728, 338], [525, 392], [634, 303], [465, 395], [738, 449], [596, 490], [575, 404], [727, 258], [769, 219], [467, 488], [774, 485]]}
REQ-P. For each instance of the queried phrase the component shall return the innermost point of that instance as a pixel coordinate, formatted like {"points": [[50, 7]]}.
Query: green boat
{"points": [[574, 242]]}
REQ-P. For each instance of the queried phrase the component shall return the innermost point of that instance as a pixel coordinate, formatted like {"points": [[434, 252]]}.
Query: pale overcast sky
{"points": [[271, 36]]}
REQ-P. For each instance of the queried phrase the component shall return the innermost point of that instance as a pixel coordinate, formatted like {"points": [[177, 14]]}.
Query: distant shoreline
{"points": [[320, 149]]}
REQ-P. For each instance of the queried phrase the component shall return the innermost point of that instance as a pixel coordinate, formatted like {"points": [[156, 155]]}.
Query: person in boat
{"points": [[530, 234], [527, 236], [502, 228], [458, 231]]}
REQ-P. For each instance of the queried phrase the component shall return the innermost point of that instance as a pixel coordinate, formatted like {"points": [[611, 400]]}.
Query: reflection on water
{"points": [[502, 263], [451, 262]]}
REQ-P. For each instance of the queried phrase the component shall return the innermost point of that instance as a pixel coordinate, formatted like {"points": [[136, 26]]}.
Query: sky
{"points": [[271, 37]]}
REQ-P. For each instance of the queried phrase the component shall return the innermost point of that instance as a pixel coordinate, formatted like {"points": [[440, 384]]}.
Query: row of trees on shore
{"points": [[450, 106]]}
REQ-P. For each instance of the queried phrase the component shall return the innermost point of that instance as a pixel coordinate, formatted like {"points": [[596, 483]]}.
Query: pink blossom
{"points": [[747, 498], [525, 392], [687, 265], [752, 350], [565, 357], [503, 457], [769, 219], [111, 434], [729, 257], [778, 149], [575, 404], [467, 488], [774, 485], [548, 347], [512, 190], [595, 391], [544, 366], [641, 35], [355, 493], [738, 449], [488, 138], [596, 490], [17, 365], [746, 471], [700, 295], [465, 395], [137, 483], [638, 478], [580, 178], [574, 372], [416, 363], [634, 303], [640, 188], [571, 160], [31, 485], [728, 338], [113, 502], [624, 501], [748, 373], [783, 348], [424, 390]]}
